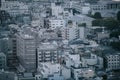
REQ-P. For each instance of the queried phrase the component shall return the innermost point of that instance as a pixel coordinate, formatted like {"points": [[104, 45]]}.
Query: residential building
{"points": [[112, 61], [6, 75], [55, 77], [47, 52], [4, 45], [26, 76], [50, 35], [92, 60], [82, 8], [56, 23], [66, 72], [73, 31], [48, 68], [106, 8], [26, 51], [72, 59], [38, 23], [15, 7], [57, 9], [67, 13], [12, 55], [82, 73]]}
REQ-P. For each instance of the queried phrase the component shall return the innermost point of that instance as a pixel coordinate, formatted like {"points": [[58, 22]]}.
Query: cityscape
{"points": [[59, 39]]}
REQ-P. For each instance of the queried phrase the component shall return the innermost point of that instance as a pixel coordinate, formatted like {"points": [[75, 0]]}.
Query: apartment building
{"points": [[47, 52], [26, 51]]}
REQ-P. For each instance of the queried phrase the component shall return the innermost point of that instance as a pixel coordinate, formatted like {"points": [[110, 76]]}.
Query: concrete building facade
{"points": [[26, 51]]}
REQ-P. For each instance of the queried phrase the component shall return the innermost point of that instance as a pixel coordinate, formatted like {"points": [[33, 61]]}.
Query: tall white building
{"points": [[26, 51], [15, 7], [73, 31]]}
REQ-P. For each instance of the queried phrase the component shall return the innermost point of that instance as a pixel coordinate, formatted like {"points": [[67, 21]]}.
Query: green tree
{"points": [[118, 16], [97, 22], [115, 34], [115, 45], [92, 1], [97, 15], [111, 23], [82, 24]]}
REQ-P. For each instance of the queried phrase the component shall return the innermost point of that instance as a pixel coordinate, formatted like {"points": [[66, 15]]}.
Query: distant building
{"points": [[72, 59], [3, 61], [0, 3], [26, 76], [55, 77], [5, 75], [102, 35], [26, 51], [73, 31], [12, 55], [38, 23], [82, 73], [56, 9], [15, 7], [66, 72], [49, 35], [92, 60], [106, 8], [67, 13], [4, 45], [47, 69], [56, 23], [112, 61], [82, 8], [47, 52]]}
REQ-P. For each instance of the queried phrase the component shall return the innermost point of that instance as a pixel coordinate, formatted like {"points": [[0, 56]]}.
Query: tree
{"points": [[97, 15], [92, 1], [115, 45], [111, 23], [82, 24], [115, 34], [118, 16], [97, 22]]}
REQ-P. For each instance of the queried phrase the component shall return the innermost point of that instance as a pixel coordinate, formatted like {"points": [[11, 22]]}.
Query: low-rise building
{"points": [[55, 77], [47, 52], [106, 8], [82, 73], [56, 23], [72, 59], [6, 75], [112, 61], [47, 69], [66, 72]]}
